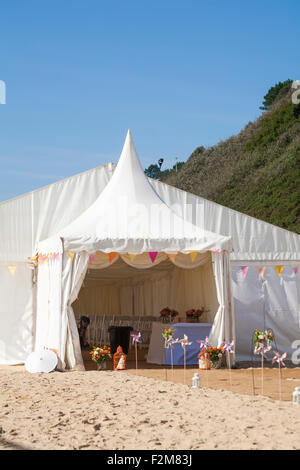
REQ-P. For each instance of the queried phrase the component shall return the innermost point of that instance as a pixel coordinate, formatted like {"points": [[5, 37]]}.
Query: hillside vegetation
{"points": [[256, 172]]}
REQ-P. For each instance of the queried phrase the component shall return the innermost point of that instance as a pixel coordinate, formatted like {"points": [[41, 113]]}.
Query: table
{"points": [[158, 354]]}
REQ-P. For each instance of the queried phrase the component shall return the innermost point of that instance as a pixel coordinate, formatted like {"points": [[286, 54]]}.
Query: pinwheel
{"points": [[184, 343], [229, 349], [203, 344], [135, 340], [262, 350], [279, 359]]}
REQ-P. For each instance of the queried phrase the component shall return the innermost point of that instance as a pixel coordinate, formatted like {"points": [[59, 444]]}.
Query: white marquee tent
{"points": [[106, 221]]}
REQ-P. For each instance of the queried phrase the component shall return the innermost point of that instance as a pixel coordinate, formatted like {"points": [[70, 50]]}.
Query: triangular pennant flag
{"points": [[193, 255], [111, 256], [153, 255], [172, 256], [71, 254], [91, 257], [35, 258], [261, 271], [131, 256], [295, 271], [55, 255], [279, 269], [12, 269], [244, 270]]}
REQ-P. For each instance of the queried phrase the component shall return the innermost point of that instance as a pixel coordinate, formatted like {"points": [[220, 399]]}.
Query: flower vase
{"points": [[101, 365], [216, 364]]}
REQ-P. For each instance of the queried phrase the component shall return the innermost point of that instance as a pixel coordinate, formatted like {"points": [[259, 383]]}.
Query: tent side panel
{"points": [[271, 302], [17, 305]]}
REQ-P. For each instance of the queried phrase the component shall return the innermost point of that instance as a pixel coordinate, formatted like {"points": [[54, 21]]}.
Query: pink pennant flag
{"points": [[56, 255], [244, 270], [295, 271], [91, 257], [153, 255]]}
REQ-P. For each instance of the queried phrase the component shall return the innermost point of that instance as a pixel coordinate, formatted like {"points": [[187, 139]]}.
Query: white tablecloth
{"points": [[157, 352]]}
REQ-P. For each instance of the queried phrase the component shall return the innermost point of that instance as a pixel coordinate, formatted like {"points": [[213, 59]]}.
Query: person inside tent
{"points": [[82, 327]]}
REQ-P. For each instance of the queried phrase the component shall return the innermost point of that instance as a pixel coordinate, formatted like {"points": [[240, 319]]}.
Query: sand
{"points": [[123, 410]]}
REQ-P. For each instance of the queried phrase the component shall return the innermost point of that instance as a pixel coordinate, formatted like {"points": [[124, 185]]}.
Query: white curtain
{"points": [[49, 322], [74, 270], [223, 328]]}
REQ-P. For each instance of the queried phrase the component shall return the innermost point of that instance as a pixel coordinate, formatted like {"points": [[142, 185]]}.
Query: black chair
{"points": [[119, 336]]}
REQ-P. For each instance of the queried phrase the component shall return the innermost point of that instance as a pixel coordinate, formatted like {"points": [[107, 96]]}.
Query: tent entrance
{"points": [[122, 295]]}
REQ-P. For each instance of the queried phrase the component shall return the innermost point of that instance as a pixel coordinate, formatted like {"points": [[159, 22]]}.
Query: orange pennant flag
{"points": [[193, 255], [111, 256], [261, 271], [279, 269], [172, 256]]}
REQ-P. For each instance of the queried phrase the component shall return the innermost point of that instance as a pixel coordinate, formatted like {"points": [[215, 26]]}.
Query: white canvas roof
{"points": [[42, 213], [130, 216]]}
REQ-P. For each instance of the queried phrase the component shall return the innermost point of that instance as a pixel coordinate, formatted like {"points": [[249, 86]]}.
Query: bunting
{"points": [[193, 255], [244, 270], [279, 269], [295, 271], [172, 256], [131, 256], [261, 271], [153, 255], [71, 254], [12, 269], [111, 256], [91, 257]]}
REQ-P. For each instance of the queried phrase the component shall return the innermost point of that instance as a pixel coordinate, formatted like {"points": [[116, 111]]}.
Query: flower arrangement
{"points": [[195, 314], [100, 354], [167, 314], [215, 354], [266, 336], [168, 334]]}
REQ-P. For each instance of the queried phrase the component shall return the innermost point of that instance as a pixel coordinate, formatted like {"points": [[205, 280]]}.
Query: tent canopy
{"points": [[130, 217]]}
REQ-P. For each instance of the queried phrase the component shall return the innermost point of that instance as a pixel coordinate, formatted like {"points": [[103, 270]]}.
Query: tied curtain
{"points": [[59, 281]]}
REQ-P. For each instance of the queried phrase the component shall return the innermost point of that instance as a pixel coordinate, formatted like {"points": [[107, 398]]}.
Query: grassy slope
{"points": [[256, 172]]}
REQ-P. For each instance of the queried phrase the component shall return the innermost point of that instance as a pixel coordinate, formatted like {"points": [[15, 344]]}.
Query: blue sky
{"points": [[179, 74]]}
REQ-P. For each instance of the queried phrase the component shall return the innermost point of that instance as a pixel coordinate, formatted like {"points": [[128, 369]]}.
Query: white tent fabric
{"points": [[128, 217]]}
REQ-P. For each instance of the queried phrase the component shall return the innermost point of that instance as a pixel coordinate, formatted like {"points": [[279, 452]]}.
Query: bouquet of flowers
{"points": [[174, 313], [167, 314], [195, 314], [263, 337], [215, 354], [100, 354], [168, 334]]}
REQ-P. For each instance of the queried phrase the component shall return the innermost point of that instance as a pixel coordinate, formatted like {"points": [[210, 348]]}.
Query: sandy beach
{"points": [[123, 410]]}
